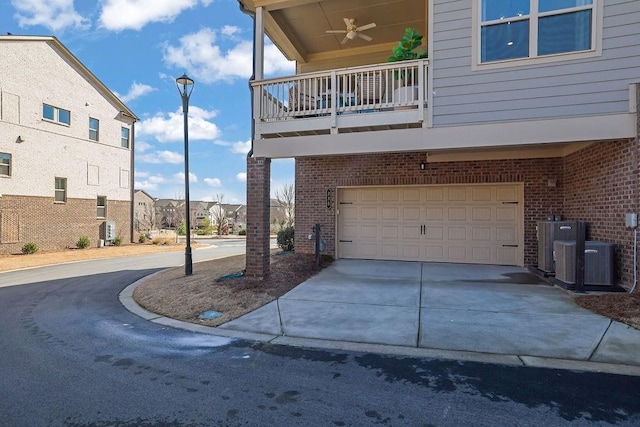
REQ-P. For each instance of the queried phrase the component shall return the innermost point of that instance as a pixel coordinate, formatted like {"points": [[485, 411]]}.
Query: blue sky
{"points": [[137, 48]]}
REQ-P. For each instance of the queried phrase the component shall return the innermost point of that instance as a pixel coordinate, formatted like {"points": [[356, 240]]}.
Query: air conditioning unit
{"points": [[598, 262], [548, 232]]}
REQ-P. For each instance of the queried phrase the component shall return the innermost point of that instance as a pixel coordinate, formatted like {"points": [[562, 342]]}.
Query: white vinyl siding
{"points": [[570, 88]]}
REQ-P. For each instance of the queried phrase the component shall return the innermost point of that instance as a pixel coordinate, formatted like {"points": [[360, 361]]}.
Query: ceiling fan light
{"points": [[351, 35]]}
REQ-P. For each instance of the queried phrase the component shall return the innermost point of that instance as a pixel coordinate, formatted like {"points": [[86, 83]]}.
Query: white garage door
{"points": [[479, 224]]}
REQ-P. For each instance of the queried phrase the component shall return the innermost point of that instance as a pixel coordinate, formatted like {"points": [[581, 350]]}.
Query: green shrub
{"points": [[182, 229], [29, 248], [142, 238], [242, 232], [117, 241], [83, 243], [286, 238]]}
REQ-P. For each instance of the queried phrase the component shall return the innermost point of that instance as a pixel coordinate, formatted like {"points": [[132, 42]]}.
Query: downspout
{"points": [[248, 12], [133, 178]]}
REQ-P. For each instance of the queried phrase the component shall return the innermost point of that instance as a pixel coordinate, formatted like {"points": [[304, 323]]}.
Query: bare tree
{"points": [[219, 216], [286, 201]]}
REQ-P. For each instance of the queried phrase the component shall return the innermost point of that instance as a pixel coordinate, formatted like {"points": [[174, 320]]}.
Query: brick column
{"points": [[258, 202]]}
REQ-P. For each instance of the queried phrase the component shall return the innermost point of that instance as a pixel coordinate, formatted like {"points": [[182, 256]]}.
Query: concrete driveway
{"points": [[476, 308]]}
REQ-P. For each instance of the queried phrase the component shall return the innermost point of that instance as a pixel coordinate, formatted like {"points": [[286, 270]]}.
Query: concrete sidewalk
{"points": [[462, 308]]}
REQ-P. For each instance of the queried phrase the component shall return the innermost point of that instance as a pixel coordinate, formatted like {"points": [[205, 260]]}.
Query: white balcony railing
{"points": [[348, 99]]}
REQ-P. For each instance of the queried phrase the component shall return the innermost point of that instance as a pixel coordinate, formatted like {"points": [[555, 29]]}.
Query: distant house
{"points": [[144, 213], [66, 149], [169, 212]]}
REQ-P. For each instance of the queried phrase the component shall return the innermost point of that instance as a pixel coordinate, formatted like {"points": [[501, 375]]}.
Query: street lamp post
{"points": [[185, 87]]}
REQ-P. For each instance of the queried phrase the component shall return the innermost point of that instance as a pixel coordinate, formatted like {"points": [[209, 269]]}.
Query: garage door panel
{"points": [[411, 213], [481, 254], [390, 214], [435, 232], [457, 214], [369, 213], [481, 214], [481, 194], [435, 214], [481, 234], [504, 214], [369, 231], [457, 233], [457, 194], [390, 232], [470, 223]]}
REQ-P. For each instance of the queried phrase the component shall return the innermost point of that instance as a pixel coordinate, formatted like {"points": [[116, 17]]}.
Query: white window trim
{"points": [[64, 191], [56, 115], [8, 175], [596, 39], [104, 207], [96, 130]]}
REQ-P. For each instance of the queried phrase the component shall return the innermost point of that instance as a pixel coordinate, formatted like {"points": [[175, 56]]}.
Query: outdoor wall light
{"points": [[423, 166]]}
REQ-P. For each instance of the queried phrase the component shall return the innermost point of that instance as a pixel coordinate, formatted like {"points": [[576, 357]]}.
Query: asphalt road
{"points": [[71, 355]]}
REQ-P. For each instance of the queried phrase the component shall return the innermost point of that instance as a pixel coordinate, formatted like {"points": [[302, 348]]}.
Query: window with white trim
{"points": [[60, 190], [101, 207], [124, 138], [518, 29], [5, 164], [94, 129], [55, 114]]}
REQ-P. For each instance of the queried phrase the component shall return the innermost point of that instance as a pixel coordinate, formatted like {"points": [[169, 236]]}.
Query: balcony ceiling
{"points": [[298, 27]]}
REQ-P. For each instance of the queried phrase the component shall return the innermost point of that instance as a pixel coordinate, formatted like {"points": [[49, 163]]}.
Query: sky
{"points": [[137, 48]]}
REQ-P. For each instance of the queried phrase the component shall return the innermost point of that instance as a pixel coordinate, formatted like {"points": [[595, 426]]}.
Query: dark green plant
{"points": [[182, 229], [29, 248], [83, 243], [407, 50], [142, 238], [286, 238], [117, 241], [242, 232]]}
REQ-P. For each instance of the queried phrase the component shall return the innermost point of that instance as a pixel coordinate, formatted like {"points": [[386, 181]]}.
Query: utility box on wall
{"points": [[109, 231]]}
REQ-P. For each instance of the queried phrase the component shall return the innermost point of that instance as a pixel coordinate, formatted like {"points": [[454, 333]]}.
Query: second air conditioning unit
{"points": [[598, 262]]}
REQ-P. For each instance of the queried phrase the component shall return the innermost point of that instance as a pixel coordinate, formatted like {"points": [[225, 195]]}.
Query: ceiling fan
{"points": [[353, 30]]}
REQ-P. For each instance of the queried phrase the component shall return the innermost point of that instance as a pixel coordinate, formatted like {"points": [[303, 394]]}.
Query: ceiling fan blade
{"points": [[347, 22], [364, 36], [344, 40], [336, 31], [366, 27]]}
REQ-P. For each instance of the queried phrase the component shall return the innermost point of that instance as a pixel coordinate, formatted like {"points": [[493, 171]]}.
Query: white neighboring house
{"points": [[66, 149]]}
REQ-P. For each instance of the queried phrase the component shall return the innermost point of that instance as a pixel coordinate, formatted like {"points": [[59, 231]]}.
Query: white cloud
{"points": [[150, 183], [230, 30], [142, 146], [170, 127], [241, 147], [53, 14], [207, 62], [213, 182], [135, 91], [179, 177], [118, 15], [161, 157], [241, 177]]}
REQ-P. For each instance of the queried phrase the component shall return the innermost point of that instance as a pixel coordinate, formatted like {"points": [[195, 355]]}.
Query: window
{"points": [[124, 140], [94, 128], [61, 190], [102, 207], [56, 114], [519, 29], [5, 164]]}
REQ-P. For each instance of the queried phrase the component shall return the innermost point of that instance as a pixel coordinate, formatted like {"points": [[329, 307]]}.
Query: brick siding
{"points": [[601, 186], [597, 184], [258, 203], [56, 226]]}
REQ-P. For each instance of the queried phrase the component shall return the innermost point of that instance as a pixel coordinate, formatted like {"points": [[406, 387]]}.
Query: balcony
{"points": [[358, 99]]}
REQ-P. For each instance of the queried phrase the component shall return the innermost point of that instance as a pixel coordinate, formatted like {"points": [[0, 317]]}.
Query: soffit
{"points": [[299, 27]]}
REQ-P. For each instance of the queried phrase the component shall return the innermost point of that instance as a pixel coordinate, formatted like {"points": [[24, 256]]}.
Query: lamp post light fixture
{"points": [[185, 87]]}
